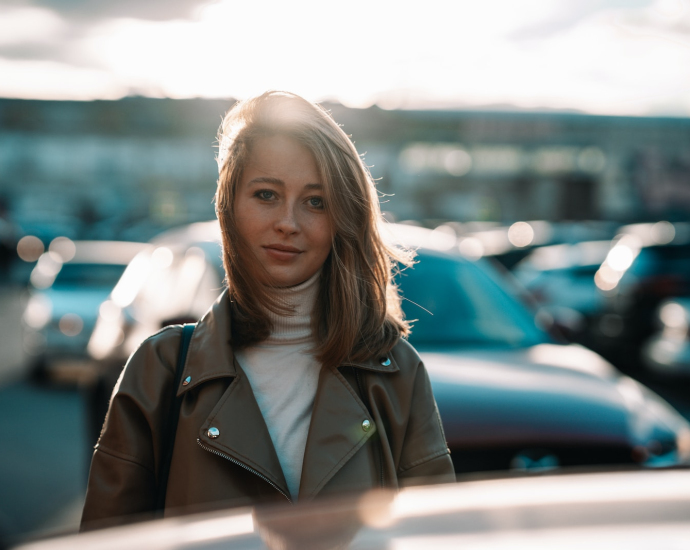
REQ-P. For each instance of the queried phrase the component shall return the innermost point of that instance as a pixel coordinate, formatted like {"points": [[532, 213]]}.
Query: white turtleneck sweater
{"points": [[284, 375]]}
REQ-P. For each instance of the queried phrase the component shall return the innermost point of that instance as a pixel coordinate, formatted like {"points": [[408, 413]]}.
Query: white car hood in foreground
{"points": [[632, 510]]}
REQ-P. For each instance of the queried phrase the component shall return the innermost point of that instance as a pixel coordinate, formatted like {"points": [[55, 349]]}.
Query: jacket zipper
{"points": [[226, 457]]}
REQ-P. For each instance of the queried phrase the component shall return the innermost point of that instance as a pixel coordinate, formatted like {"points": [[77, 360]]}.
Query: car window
{"points": [[88, 275], [454, 303]]}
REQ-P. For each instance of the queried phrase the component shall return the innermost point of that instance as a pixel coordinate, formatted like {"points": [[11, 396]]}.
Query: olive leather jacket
{"points": [[373, 424]]}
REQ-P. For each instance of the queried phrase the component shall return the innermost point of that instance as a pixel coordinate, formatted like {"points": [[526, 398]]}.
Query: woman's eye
{"points": [[315, 202], [264, 194]]}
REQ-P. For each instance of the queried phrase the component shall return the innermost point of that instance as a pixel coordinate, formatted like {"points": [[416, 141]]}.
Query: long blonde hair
{"points": [[357, 314]]}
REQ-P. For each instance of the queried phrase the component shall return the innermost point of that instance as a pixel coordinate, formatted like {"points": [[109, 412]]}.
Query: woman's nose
{"points": [[287, 221]]}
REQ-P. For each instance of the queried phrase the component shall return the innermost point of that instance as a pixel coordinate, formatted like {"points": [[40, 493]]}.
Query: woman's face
{"points": [[279, 210]]}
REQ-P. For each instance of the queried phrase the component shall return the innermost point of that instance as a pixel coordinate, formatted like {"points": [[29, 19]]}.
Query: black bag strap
{"points": [[173, 416]]}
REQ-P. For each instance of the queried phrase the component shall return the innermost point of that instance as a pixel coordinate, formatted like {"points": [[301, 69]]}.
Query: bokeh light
{"points": [[620, 257], [30, 248], [521, 234], [663, 232], [673, 315], [64, 247], [162, 257], [471, 247], [70, 324]]}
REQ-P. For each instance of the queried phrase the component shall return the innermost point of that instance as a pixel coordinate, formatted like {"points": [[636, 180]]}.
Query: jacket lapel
{"points": [[241, 433], [335, 434], [210, 354]]}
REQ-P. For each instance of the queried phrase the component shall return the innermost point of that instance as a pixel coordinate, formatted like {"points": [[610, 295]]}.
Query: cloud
{"points": [[52, 80], [90, 10], [53, 30], [600, 56], [38, 34], [32, 51], [667, 20], [564, 16]]}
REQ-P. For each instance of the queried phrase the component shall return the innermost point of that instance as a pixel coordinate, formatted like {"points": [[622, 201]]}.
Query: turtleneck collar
{"points": [[296, 327]]}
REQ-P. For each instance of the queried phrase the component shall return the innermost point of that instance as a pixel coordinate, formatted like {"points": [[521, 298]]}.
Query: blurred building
{"points": [[507, 166], [126, 169], [108, 169]]}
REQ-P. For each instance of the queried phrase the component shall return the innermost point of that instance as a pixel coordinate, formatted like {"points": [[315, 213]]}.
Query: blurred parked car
{"points": [[667, 352], [68, 284], [647, 263], [505, 245], [560, 278], [602, 511], [509, 397], [173, 280], [508, 245]]}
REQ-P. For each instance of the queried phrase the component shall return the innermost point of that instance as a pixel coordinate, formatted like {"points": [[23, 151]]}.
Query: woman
{"points": [[298, 382]]}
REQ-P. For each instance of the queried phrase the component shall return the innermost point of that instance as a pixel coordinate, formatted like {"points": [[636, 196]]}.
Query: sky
{"points": [[619, 57]]}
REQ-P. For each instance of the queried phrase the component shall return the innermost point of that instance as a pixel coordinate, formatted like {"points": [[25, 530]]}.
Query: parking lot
{"points": [[44, 461]]}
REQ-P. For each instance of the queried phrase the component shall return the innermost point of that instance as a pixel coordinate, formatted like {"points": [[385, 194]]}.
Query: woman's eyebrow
{"points": [[278, 181], [266, 179]]}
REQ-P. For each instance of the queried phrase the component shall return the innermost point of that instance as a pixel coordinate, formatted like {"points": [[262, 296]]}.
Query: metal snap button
{"points": [[187, 380], [213, 432], [366, 425], [385, 361]]}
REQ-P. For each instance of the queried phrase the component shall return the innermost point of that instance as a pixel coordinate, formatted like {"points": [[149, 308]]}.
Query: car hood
{"points": [[540, 395]]}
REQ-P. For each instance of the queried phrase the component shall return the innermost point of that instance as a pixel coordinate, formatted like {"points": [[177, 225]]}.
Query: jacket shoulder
{"points": [[155, 358], [165, 339], [143, 390], [406, 357], [412, 421], [122, 480]]}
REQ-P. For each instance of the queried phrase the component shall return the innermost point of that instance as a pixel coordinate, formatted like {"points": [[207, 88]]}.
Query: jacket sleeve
{"points": [[425, 456], [122, 479]]}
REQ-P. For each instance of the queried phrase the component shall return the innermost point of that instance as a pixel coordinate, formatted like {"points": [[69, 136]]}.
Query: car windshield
{"points": [[88, 275], [456, 303]]}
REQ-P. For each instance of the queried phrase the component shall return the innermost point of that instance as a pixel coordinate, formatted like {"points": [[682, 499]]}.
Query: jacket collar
{"points": [[385, 363], [210, 353]]}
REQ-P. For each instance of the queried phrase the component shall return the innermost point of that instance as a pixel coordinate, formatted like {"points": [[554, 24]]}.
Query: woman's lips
{"points": [[282, 252]]}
